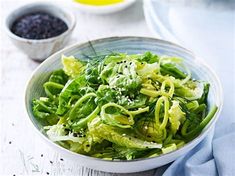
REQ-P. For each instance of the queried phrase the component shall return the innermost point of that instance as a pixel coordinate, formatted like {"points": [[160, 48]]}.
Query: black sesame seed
{"points": [[9, 142], [75, 134], [38, 25], [14, 175], [66, 130], [124, 61], [47, 173], [61, 159], [41, 155], [51, 162], [87, 145], [125, 66]]}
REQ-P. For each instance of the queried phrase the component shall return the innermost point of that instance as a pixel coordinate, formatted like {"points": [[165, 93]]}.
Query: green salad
{"points": [[123, 107]]}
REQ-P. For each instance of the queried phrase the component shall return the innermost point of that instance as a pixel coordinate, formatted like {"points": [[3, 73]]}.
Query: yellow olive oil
{"points": [[99, 2]]}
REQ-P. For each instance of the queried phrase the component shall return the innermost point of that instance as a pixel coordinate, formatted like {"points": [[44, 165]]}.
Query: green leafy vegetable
{"points": [[72, 66], [123, 107]]}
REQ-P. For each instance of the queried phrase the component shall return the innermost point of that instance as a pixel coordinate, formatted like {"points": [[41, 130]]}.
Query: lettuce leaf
{"points": [[72, 67], [45, 110], [113, 135], [72, 87], [176, 116]]}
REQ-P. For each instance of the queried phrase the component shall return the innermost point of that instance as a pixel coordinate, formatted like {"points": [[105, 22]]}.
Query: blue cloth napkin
{"points": [[209, 30], [213, 156]]}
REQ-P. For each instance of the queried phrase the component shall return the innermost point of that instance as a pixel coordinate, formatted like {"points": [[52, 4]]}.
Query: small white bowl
{"points": [[103, 9], [40, 49]]}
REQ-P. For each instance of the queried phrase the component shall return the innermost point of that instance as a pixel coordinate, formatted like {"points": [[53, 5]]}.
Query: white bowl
{"points": [[103, 9], [41, 49], [130, 45]]}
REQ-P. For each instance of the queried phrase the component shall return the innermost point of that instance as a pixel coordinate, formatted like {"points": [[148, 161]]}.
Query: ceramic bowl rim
{"points": [[100, 40]]}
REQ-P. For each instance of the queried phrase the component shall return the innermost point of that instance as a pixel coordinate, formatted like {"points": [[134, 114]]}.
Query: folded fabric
{"points": [[209, 158]]}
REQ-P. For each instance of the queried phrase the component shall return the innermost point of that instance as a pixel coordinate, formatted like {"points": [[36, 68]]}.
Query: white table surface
{"points": [[21, 149]]}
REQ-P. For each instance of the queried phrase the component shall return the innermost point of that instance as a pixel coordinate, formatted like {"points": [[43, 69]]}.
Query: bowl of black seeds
{"points": [[38, 25], [40, 29]]}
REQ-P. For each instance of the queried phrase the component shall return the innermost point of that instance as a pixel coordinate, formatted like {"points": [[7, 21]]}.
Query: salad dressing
{"points": [[99, 2]]}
